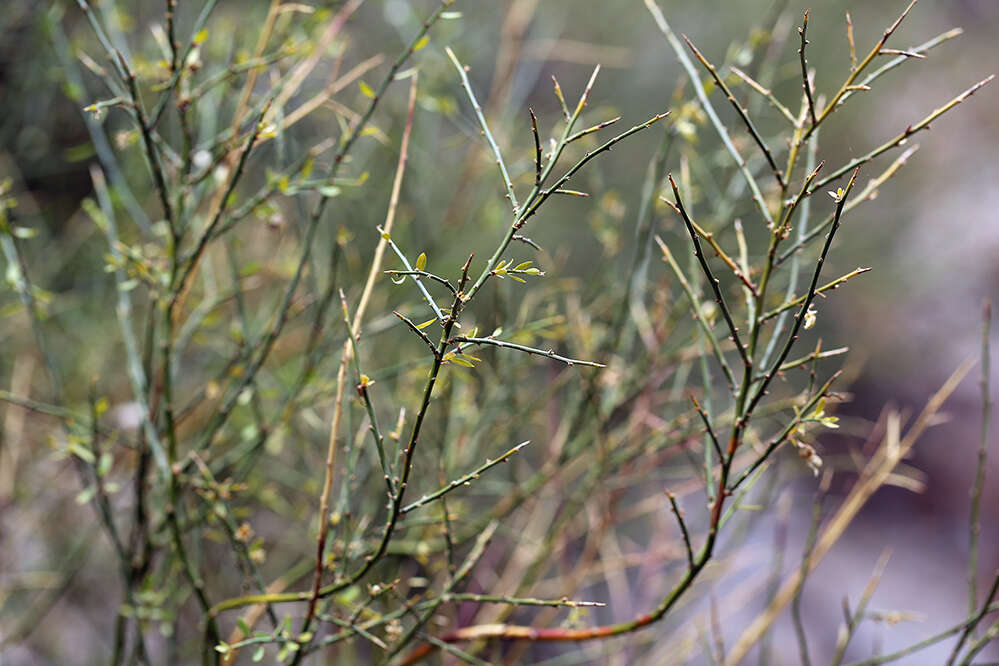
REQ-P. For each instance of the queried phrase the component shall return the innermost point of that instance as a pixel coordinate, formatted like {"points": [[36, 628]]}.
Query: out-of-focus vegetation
{"points": [[378, 332]]}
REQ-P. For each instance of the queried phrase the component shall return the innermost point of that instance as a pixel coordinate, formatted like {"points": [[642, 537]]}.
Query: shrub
{"points": [[294, 326]]}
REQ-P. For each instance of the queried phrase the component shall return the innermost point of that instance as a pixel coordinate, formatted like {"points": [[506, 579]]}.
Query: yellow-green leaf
{"points": [[366, 90], [421, 261], [426, 323], [423, 41], [201, 36]]}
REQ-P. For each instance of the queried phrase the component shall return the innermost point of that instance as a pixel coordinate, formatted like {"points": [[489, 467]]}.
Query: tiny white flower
{"points": [[810, 316]]}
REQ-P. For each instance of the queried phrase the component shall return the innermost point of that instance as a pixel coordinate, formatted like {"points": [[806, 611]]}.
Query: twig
{"points": [[841, 196], [537, 148], [683, 526], [849, 38], [975, 620], [462, 480], [462, 72], [386, 236], [870, 191], [688, 66], [549, 353], [855, 72], [331, 452], [893, 448], [712, 281], [521, 601], [806, 83], [739, 109], [721, 254], [854, 620], [707, 426], [900, 139], [974, 526], [695, 305], [766, 92], [826, 287], [419, 273]]}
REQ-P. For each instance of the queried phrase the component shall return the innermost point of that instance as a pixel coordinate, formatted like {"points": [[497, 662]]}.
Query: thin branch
{"points": [[975, 620], [537, 148], [974, 522], [743, 113], [766, 92], [462, 480], [521, 601], [547, 353], [826, 287], [901, 138], [814, 356], [695, 305], [853, 620], [721, 254], [841, 196], [463, 73], [845, 89], [386, 236], [683, 527], [712, 281], [716, 122], [849, 38], [806, 83], [707, 426], [869, 192], [416, 329], [419, 273]]}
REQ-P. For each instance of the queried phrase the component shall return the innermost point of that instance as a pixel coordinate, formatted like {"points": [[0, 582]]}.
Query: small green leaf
{"points": [[329, 191], [421, 261], [423, 41], [243, 626], [524, 266], [104, 464], [258, 654], [200, 39], [85, 495], [366, 90], [426, 323]]}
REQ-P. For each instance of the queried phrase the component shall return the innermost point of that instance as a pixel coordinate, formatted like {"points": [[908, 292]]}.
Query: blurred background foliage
{"points": [[932, 236]]}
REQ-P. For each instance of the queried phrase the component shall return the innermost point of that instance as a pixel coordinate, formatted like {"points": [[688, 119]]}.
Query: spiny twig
{"points": [[806, 83]]}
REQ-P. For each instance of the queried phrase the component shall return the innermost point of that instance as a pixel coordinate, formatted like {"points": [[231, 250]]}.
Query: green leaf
{"points": [[258, 654], [523, 266], [426, 323], [200, 39], [421, 261], [85, 495], [329, 191], [366, 90], [423, 41], [104, 464]]}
